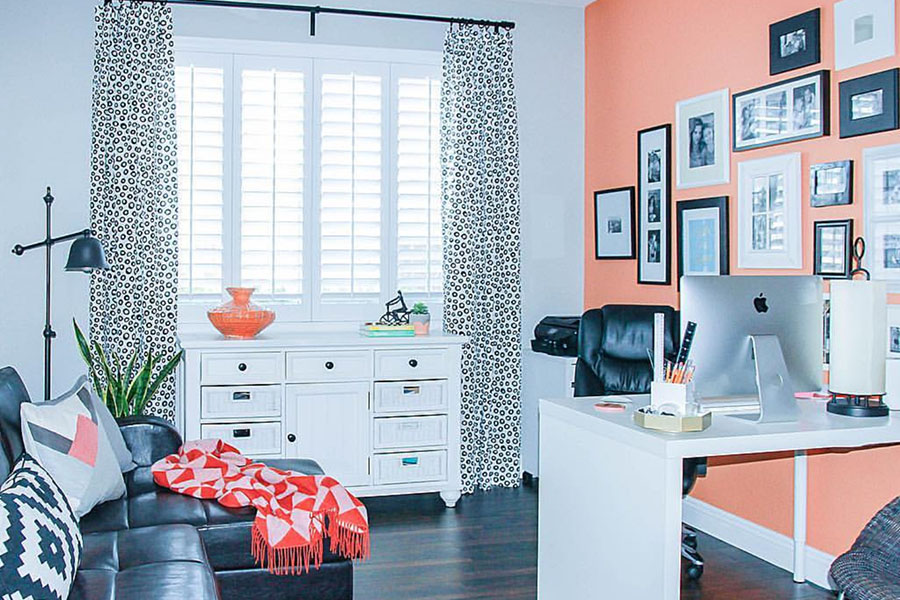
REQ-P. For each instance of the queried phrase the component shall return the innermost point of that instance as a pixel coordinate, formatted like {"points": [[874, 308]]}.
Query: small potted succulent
{"points": [[420, 318]]}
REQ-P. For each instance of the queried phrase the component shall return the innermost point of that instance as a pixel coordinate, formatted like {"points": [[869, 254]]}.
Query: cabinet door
{"points": [[329, 423]]}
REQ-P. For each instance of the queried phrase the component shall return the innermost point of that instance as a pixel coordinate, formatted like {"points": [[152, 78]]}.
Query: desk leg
{"points": [[800, 472], [609, 518]]}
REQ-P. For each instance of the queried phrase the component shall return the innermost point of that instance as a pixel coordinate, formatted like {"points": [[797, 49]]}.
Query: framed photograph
{"points": [[863, 31], [881, 199], [769, 233], [893, 332], [831, 248], [614, 223], [794, 42], [654, 202], [701, 139], [869, 104], [826, 330], [831, 184], [787, 111], [702, 236]]}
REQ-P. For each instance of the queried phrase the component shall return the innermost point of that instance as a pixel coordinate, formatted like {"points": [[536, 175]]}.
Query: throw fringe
{"points": [[293, 560], [348, 540]]}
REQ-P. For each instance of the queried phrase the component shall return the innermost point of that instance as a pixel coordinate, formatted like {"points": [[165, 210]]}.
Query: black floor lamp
{"points": [[86, 255]]}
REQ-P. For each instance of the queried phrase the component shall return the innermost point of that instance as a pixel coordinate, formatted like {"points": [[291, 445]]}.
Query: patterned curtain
{"points": [[480, 190], [134, 201]]}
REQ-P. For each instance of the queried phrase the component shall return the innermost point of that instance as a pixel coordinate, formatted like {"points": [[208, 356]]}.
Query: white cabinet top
{"points": [[815, 428], [213, 340]]}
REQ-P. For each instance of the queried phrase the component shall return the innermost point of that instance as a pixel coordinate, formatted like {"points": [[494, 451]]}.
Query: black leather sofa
{"points": [[155, 544]]}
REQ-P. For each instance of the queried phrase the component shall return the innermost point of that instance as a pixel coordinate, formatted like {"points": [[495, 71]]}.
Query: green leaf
{"points": [[164, 373], [137, 392]]}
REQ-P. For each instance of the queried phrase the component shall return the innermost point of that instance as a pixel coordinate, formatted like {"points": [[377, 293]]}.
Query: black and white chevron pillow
{"points": [[40, 544]]}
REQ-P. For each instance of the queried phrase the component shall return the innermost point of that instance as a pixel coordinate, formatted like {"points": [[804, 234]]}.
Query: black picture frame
{"points": [[795, 42], [598, 197], [755, 102], [659, 180], [819, 199], [885, 85], [818, 268], [686, 206]]}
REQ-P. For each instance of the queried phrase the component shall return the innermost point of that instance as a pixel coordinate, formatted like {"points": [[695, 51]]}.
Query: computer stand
{"points": [[773, 383]]}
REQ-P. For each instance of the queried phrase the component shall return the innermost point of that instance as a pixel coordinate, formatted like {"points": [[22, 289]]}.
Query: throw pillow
{"points": [[40, 544], [108, 424], [66, 438]]}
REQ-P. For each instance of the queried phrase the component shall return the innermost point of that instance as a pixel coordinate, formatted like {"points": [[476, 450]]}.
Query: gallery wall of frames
{"points": [[748, 138]]}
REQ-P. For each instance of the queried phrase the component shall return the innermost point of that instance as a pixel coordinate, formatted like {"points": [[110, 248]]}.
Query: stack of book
{"points": [[376, 330]]}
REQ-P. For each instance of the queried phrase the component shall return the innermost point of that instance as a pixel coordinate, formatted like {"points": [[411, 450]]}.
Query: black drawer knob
{"points": [[413, 363], [329, 365], [292, 437], [242, 367]]}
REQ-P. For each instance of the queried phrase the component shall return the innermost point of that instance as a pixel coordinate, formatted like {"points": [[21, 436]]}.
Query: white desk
{"points": [[609, 517]]}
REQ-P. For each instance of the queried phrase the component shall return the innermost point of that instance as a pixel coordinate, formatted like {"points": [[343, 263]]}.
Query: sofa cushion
{"points": [[12, 395], [110, 428], [66, 436], [40, 544], [164, 562]]}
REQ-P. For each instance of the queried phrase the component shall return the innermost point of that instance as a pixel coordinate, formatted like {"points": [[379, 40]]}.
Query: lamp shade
{"points": [[86, 254], [858, 337]]}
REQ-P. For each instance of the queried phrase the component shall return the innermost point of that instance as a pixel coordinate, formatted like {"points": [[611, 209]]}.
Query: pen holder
{"points": [[680, 396]]}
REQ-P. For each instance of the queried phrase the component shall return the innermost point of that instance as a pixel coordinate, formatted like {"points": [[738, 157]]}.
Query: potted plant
{"points": [[420, 318], [125, 387]]}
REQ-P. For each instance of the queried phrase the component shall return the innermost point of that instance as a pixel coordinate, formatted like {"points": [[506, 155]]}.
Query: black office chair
{"points": [[612, 359]]}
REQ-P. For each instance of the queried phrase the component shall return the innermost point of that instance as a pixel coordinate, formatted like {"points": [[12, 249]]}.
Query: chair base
{"points": [[690, 554]]}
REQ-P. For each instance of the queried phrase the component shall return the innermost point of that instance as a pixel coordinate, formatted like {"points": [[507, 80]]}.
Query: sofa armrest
{"points": [[149, 438]]}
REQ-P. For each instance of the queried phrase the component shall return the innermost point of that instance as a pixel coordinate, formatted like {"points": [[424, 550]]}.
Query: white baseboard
{"points": [[761, 542]]}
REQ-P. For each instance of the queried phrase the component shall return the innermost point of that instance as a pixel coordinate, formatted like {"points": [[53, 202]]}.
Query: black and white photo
{"points": [[892, 251], [831, 184], [893, 331], [614, 223], [702, 153], [794, 42], [880, 173], [653, 206], [831, 248], [769, 213], [653, 165], [895, 340], [786, 111], [869, 104], [654, 201], [891, 189]]}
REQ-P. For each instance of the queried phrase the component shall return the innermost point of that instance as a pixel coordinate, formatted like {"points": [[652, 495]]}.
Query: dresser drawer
{"points": [[405, 432], [303, 367], [252, 439], [410, 364], [409, 467], [240, 369], [410, 396], [246, 401]]}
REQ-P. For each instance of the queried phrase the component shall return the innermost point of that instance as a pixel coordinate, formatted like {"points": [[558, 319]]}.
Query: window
{"points": [[315, 180]]}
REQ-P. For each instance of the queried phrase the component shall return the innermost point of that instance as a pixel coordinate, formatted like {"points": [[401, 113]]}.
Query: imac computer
{"points": [[757, 338]]}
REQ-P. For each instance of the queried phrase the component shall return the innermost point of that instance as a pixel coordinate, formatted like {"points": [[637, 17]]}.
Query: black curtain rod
{"points": [[314, 11]]}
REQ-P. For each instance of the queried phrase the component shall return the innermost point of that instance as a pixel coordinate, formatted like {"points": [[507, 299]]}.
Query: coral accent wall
{"points": [[641, 58]]}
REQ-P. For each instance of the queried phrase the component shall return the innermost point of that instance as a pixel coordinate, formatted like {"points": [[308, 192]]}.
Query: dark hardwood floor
{"points": [[487, 548]]}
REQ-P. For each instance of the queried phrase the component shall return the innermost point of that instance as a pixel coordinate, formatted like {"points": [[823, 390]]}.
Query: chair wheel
{"points": [[691, 541], [695, 572]]}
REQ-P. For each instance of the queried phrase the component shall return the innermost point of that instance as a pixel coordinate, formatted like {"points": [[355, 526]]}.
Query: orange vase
{"points": [[239, 318]]}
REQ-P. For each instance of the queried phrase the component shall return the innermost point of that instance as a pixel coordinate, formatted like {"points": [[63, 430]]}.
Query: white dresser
{"points": [[381, 415]]}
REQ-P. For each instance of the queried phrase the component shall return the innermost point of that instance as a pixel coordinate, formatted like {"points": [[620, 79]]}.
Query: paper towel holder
{"points": [[851, 405]]}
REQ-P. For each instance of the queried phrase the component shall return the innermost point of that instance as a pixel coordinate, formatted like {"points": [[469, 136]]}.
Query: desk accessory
{"points": [[858, 344], [672, 423], [86, 255], [659, 341]]}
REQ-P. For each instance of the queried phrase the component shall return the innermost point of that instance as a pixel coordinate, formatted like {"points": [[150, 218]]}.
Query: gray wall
{"points": [[45, 79]]}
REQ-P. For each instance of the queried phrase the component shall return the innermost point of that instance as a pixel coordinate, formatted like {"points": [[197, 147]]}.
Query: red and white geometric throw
{"points": [[293, 511]]}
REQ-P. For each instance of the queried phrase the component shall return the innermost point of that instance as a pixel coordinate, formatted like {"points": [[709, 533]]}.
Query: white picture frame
{"points": [[707, 160], [863, 32], [770, 235], [881, 199]]}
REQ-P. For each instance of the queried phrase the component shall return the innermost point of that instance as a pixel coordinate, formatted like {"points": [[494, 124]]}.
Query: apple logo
{"points": [[761, 304]]}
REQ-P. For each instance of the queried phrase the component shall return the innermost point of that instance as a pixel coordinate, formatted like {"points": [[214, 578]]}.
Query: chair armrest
{"points": [[149, 438]]}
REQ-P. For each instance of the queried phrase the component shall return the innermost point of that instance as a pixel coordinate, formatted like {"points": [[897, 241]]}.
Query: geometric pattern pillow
{"points": [[66, 438], [40, 544], [108, 424]]}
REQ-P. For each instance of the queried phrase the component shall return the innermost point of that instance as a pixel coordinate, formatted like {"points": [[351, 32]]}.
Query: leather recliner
{"points": [[613, 359], [153, 543]]}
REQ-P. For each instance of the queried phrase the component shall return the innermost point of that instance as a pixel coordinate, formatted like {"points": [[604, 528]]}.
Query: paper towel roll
{"points": [[858, 337]]}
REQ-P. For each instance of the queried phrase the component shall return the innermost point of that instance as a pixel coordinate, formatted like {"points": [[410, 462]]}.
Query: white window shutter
{"points": [[418, 187], [272, 103], [350, 187], [200, 116]]}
